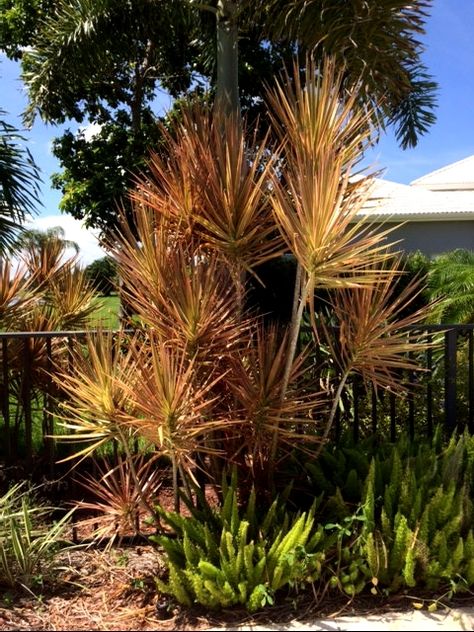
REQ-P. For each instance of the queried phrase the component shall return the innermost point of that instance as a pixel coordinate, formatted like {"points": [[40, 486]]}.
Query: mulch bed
{"points": [[114, 589]]}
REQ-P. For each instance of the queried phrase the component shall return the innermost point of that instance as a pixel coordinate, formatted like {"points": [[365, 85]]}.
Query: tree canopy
{"points": [[105, 61]]}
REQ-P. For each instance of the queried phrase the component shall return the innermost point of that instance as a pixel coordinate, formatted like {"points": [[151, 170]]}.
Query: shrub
{"points": [[28, 545], [215, 382], [400, 519], [412, 526], [228, 556]]}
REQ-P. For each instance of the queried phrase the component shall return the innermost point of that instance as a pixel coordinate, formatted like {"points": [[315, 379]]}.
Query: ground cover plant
{"points": [[394, 516], [227, 558], [412, 524], [29, 542], [396, 534]]}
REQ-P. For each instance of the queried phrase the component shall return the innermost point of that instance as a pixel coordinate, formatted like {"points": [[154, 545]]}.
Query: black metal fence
{"points": [[28, 363], [441, 394]]}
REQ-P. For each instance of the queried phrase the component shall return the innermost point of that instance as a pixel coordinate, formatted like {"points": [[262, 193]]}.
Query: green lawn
{"points": [[107, 311]]}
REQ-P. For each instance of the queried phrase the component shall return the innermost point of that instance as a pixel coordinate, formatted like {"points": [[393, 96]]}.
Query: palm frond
{"points": [[73, 34], [19, 183], [378, 46], [451, 282], [414, 114]]}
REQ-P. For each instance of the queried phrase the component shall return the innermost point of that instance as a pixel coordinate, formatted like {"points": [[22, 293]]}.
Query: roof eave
{"points": [[416, 217]]}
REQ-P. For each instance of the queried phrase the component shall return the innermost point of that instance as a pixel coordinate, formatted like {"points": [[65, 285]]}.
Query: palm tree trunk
{"points": [[227, 87]]}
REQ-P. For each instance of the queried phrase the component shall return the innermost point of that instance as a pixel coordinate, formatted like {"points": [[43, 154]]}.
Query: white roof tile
{"points": [[457, 176], [391, 201]]}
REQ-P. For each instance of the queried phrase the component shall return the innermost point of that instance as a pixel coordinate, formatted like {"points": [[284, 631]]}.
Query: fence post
{"points": [[429, 389], [450, 373], [470, 388], [411, 400], [6, 402], [48, 420], [26, 400]]}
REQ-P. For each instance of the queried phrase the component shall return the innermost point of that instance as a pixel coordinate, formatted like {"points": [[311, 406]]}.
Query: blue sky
{"points": [[449, 55]]}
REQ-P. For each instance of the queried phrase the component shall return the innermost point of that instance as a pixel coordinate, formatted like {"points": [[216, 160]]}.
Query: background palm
{"points": [[451, 281], [19, 183]]}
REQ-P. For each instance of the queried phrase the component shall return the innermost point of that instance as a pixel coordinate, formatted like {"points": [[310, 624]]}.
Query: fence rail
{"points": [[442, 394]]}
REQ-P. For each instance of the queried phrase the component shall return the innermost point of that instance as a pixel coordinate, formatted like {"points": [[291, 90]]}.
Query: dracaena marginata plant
{"points": [[206, 383], [44, 291]]}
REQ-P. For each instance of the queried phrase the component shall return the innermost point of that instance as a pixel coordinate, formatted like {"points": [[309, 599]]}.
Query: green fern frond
{"points": [[400, 543], [179, 586], [457, 557]]}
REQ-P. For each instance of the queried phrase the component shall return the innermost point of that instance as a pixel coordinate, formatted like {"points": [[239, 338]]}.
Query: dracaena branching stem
{"points": [[300, 298], [240, 275], [187, 489], [297, 290], [332, 414], [135, 477], [175, 475]]}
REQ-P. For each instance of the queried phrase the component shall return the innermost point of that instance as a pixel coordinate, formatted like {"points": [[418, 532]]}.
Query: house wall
{"points": [[433, 237]]}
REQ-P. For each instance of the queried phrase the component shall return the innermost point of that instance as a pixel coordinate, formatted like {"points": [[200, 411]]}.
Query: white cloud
{"points": [[74, 230], [91, 130]]}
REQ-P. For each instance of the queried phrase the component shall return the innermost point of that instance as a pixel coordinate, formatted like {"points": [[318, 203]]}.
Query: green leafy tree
{"points": [[103, 61], [102, 274], [19, 21]]}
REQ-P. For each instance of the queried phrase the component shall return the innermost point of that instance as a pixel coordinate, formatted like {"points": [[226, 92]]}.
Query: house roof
{"points": [[391, 201], [458, 176]]}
